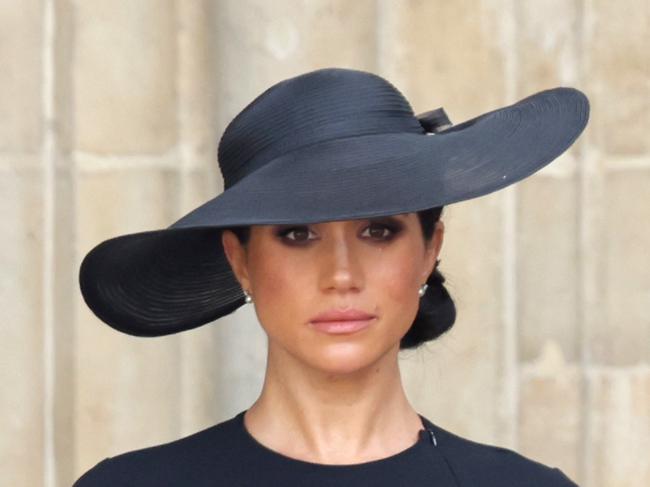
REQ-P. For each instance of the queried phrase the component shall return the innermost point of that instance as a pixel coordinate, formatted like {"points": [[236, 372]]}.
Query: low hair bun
{"points": [[435, 316]]}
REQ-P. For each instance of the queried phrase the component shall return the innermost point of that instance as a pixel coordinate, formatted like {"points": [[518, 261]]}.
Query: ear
{"points": [[433, 249], [237, 257]]}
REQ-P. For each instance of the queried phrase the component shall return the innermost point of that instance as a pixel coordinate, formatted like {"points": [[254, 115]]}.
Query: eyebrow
{"points": [[380, 218], [387, 218], [384, 218]]}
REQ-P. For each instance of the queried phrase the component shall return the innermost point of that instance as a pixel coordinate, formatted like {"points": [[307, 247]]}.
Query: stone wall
{"points": [[110, 113]]}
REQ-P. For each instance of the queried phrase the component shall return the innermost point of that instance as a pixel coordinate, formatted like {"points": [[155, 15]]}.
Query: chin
{"points": [[345, 358]]}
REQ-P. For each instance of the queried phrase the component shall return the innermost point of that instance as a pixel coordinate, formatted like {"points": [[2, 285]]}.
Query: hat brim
{"points": [[165, 281]]}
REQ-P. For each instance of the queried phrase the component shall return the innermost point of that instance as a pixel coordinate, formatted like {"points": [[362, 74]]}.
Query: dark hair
{"points": [[437, 311]]}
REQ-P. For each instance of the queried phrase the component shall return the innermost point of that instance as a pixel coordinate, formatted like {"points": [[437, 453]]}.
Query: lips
{"points": [[342, 315], [337, 321]]}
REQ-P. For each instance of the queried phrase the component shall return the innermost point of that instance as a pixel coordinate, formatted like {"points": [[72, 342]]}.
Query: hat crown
{"points": [[314, 107]]}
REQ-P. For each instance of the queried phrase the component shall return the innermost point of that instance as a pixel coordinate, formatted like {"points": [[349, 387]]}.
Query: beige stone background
{"points": [[109, 115]]}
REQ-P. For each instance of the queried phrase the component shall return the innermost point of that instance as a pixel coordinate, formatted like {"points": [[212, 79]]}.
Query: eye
{"points": [[300, 234], [381, 232]]}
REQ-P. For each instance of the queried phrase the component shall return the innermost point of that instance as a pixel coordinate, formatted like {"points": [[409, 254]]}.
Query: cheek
{"points": [[397, 297], [281, 287], [394, 280]]}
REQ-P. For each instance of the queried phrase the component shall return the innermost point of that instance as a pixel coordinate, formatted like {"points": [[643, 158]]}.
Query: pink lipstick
{"points": [[338, 321]]}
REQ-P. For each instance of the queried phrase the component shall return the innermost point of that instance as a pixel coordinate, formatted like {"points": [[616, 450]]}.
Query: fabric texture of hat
{"points": [[330, 144]]}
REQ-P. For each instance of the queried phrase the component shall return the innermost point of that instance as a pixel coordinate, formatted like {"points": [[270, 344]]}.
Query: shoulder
{"points": [[480, 464], [190, 460]]}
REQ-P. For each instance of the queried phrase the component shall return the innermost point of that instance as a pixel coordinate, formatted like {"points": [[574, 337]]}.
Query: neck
{"points": [[318, 416]]}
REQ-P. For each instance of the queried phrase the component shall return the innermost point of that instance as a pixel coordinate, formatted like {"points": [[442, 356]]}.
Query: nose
{"points": [[341, 266]]}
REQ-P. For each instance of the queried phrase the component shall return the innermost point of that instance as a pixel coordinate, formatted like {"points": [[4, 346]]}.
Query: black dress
{"points": [[226, 454]]}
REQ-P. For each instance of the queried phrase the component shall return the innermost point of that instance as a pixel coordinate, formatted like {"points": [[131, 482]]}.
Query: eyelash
{"points": [[394, 230]]}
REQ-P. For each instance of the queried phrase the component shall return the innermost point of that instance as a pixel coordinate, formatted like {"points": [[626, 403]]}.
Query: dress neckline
{"points": [[426, 440]]}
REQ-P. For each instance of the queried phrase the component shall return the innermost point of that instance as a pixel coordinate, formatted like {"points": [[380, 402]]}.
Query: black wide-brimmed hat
{"points": [[330, 144]]}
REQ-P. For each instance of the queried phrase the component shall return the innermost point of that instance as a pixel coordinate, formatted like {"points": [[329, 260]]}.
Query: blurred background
{"points": [[110, 116]]}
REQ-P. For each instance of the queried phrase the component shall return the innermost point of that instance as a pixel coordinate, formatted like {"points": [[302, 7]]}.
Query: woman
{"points": [[330, 224]]}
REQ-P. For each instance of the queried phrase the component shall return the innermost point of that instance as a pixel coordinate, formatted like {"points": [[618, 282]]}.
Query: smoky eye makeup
{"points": [[390, 223], [281, 231]]}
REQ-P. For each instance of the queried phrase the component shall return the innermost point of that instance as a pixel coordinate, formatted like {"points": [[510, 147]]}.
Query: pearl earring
{"points": [[248, 298], [423, 289]]}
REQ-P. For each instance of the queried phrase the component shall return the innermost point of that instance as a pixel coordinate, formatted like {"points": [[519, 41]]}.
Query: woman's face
{"points": [[294, 272]]}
